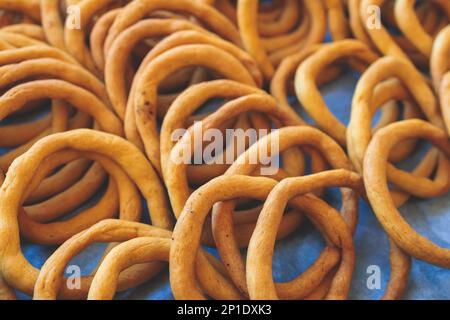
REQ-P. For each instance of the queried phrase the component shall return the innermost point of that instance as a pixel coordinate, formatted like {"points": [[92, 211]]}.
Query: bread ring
{"points": [[98, 37], [222, 188], [306, 88], [315, 16], [247, 17], [261, 246], [50, 283], [358, 131], [18, 179], [134, 11], [190, 101], [147, 249], [411, 27], [285, 138], [145, 104], [58, 232], [375, 180], [174, 173]]}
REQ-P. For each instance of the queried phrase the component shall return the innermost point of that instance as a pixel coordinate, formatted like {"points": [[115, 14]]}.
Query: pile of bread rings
{"points": [[92, 91]]}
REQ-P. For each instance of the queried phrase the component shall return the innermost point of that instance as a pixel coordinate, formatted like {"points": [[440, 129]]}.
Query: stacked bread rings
{"points": [[102, 101]]}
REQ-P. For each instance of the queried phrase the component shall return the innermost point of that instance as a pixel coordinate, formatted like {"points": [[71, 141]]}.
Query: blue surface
{"points": [[293, 255]]}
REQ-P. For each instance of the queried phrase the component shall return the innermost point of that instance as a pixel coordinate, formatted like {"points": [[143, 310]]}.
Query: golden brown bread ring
{"points": [[16, 269], [260, 251], [50, 283], [145, 102], [358, 130], [78, 97], [146, 249], [98, 36], [315, 17], [174, 171], [182, 276], [409, 24], [52, 23], [247, 17], [284, 138], [121, 48], [306, 87], [191, 100], [75, 38], [375, 166], [19, 40], [136, 10], [121, 194]]}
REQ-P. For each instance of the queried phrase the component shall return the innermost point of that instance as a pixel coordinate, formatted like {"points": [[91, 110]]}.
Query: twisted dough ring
{"points": [[261, 246], [375, 167], [259, 263], [306, 88], [273, 21], [75, 37], [17, 271], [146, 249], [17, 66], [19, 40], [145, 102], [49, 283], [186, 104], [177, 176], [411, 27], [247, 13], [358, 131], [52, 24], [174, 172], [81, 99], [313, 102], [122, 46], [20, 95], [279, 86], [285, 138], [188, 228], [136, 10], [98, 37], [396, 43], [196, 36], [58, 232], [380, 36], [18, 134]]}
